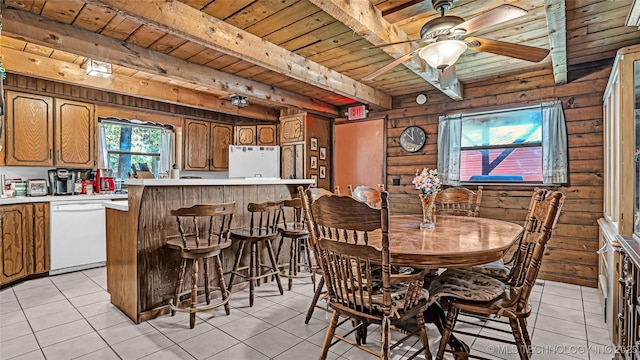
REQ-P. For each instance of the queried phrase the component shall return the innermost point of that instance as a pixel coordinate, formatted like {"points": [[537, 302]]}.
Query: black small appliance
{"points": [[61, 181]]}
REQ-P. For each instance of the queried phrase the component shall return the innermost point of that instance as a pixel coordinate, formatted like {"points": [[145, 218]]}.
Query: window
{"points": [[125, 146], [524, 145], [503, 146]]}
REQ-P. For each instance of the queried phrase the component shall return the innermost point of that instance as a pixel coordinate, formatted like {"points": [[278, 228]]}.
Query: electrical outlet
{"points": [[395, 181]]}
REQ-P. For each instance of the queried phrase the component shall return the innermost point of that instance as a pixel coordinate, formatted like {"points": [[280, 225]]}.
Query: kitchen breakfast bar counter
{"points": [[141, 271]]}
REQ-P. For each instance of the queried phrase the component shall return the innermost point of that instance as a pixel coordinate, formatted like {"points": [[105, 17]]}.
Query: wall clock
{"points": [[413, 138]]}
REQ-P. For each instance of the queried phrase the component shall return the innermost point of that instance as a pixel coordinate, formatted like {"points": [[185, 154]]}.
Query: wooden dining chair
{"points": [[342, 226], [315, 193], [468, 292], [198, 242], [458, 201]]}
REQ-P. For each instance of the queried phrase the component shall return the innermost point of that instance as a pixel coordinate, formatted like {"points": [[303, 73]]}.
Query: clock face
{"points": [[413, 138]]}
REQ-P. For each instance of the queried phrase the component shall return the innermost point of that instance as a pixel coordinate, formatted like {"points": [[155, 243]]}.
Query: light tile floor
{"points": [[70, 317]]}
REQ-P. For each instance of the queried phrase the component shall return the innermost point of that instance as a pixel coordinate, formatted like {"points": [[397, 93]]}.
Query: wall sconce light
{"points": [[98, 68], [239, 101]]}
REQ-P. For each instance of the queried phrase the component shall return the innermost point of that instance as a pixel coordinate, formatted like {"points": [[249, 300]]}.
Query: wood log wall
{"points": [[571, 255]]}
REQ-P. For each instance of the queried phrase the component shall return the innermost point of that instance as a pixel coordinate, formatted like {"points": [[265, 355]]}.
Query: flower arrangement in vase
{"points": [[429, 184]]}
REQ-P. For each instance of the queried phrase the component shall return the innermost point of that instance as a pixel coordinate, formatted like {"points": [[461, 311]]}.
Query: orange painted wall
{"points": [[359, 154]]}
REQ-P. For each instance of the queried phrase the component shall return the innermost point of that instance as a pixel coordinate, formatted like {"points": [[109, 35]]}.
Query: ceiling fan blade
{"points": [[492, 17], [389, 66], [447, 77], [522, 52], [389, 44]]}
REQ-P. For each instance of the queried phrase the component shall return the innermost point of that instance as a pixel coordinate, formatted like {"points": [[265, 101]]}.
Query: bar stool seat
{"points": [[197, 250], [263, 228]]}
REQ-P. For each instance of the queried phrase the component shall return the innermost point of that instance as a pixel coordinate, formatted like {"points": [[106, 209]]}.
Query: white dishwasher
{"points": [[78, 235]]}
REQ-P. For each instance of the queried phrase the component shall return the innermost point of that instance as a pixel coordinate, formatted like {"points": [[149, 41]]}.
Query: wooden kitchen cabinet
{"points": [[43, 131], [296, 134], [75, 135], [260, 135], [25, 241], [29, 124], [206, 145]]}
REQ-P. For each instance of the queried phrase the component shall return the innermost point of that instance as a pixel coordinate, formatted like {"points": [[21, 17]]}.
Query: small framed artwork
{"points": [[314, 144], [315, 179], [323, 172], [323, 153], [314, 162]]}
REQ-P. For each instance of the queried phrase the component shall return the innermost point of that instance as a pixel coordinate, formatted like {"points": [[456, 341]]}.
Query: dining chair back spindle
{"points": [[341, 230]]}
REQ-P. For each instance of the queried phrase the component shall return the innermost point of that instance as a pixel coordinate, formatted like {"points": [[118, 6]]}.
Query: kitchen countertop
{"points": [[49, 198], [122, 205], [190, 182]]}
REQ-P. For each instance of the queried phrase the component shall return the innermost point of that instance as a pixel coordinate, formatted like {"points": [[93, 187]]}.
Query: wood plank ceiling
{"points": [[286, 52]]}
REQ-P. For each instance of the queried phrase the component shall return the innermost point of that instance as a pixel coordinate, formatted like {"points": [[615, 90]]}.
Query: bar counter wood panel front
{"points": [[141, 271]]}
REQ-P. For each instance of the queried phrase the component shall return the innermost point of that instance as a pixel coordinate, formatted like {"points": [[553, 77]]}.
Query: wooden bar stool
{"points": [[263, 228], [196, 249], [295, 230]]}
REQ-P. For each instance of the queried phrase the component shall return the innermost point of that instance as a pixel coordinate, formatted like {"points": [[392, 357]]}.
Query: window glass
{"points": [[130, 145], [502, 146]]}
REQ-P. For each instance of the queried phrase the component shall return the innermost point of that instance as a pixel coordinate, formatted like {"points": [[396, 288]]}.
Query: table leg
{"points": [[435, 314]]}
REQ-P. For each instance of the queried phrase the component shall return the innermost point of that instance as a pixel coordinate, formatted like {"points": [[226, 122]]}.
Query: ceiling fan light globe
{"points": [[444, 53]]}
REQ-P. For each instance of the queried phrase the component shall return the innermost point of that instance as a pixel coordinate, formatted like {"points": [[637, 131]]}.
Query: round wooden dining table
{"points": [[456, 241]]}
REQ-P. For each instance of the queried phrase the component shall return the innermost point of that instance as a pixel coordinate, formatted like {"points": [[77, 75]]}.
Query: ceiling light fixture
{"points": [[443, 53], [98, 68], [239, 101]]}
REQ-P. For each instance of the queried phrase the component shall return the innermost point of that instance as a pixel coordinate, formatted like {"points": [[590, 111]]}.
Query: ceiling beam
{"points": [[366, 20], [557, 27], [28, 27], [19, 62], [184, 21]]}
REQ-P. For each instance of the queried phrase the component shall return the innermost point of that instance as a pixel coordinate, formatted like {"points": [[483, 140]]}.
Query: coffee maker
{"points": [[61, 181], [105, 183]]}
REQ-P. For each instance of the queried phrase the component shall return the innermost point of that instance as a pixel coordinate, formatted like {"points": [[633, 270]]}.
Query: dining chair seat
{"points": [[465, 285], [496, 269]]}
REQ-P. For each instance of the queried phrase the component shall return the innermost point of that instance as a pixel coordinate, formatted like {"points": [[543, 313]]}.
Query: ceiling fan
{"points": [[446, 38]]}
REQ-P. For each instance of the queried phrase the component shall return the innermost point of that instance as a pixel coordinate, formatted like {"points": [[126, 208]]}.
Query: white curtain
{"points": [[449, 137], [554, 144], [167, 150], [103, 161]]}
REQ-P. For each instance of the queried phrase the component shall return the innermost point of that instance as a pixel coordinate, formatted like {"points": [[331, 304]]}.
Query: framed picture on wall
{"points": [[323, 172], [314, 178], [314, 162], [314, 144], [323, 153]]}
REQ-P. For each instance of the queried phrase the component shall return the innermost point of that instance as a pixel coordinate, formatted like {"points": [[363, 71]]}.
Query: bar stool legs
{"points": [[255, 267], [294, 263]]}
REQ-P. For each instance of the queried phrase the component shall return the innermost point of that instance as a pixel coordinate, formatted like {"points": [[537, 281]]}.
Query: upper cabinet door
{"points": [[221, 139], [196, 145], [75, 135], [266, 135], [292, 128], [29, 135], [245, 135]]}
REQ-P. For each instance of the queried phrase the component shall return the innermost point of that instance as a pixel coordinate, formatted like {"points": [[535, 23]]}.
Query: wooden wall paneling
{"points": [[29, 127], [75, 135], [41, 247], [571, 258], [14, 229], [319, 128]]}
